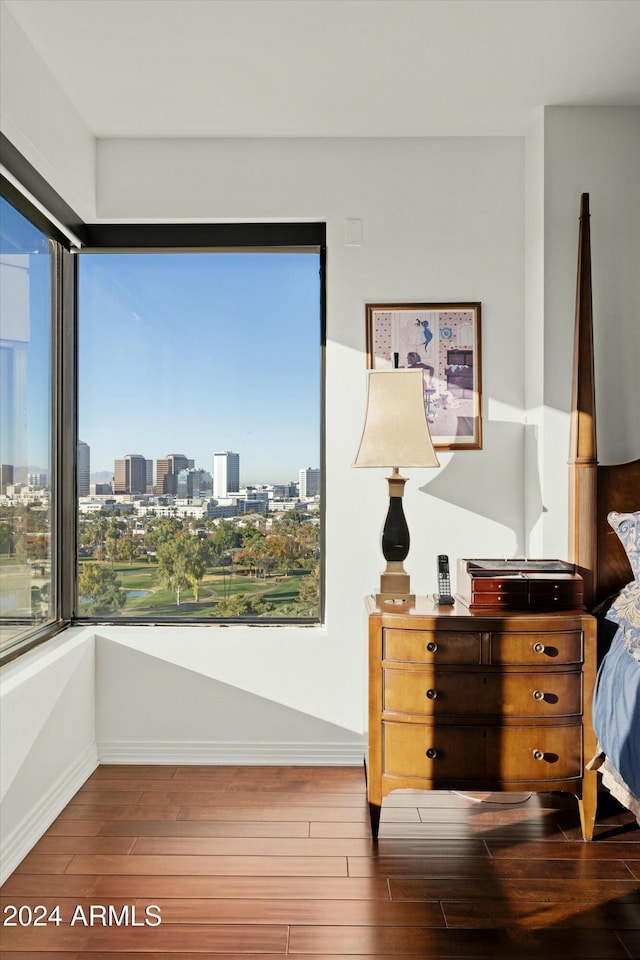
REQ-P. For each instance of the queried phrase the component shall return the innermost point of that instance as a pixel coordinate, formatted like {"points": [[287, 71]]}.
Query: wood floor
{"points": [[266, 862]]}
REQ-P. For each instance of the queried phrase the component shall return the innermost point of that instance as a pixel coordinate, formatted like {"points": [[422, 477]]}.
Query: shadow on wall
{"points": [[474, 481], [150, 710]]}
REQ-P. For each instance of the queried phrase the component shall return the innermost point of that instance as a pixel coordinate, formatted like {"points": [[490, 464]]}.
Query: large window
{"points": [[161, 425], [199, 450], [27, 482]]}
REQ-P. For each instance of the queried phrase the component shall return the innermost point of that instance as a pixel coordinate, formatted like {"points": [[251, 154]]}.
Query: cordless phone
{"points": [[444, 582]]}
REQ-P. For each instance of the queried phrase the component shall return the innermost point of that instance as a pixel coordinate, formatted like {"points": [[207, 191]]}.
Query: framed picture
{"points": [[443, 340]]}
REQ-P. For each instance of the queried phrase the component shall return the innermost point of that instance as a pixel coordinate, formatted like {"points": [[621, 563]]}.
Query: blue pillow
{"points": [[625, 609]]}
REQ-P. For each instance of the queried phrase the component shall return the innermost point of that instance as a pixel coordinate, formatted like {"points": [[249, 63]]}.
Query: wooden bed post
{"points": [[583, 462]]}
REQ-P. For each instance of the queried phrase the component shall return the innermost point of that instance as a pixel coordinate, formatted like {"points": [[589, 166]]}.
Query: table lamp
{"points": [[396, 434]]}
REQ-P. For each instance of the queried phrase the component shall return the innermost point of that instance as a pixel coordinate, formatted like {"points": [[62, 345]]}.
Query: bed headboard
{"points": [[594, 490]]}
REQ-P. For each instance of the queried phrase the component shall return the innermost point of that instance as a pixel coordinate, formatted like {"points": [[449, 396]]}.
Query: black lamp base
{"points": [[395, 584]]}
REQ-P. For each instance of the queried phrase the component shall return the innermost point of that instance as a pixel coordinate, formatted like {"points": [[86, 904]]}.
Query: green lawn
{"points": [[158, 601]]}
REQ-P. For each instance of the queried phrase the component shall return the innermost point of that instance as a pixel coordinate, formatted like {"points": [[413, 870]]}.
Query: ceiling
{"points": [[323, 68]]}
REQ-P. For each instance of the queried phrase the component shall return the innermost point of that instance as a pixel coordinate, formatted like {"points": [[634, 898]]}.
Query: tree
{"points": [[286, 548], [197, 558], [162, 530], [290, 523], [36, 518], [224, 537], [127, 548], [172, 567], [243, 606], [238, 606], [102, 587], [20, 551], [117, 527], [307, 537], [5, 538], [247, 557], [38, 547], [111, 547], [268, 563], [251, 536], [309, 592], [94, 530], [263, 560]]}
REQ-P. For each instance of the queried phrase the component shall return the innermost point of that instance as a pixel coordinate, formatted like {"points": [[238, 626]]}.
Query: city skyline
{"points": [[89, 475], [217, 351], [196, 466]]}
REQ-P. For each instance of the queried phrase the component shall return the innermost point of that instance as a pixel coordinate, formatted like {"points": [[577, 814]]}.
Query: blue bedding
{"points": [[616, 699], [616, 709]]}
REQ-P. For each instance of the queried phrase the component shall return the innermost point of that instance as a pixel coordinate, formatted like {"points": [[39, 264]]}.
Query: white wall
{"points": [[443, 219], [534, 337], [47, 738], [213, 696], [47, 697], [39, 120], [594, 150]]}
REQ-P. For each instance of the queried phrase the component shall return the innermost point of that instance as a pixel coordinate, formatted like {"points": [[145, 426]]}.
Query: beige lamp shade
{"points": [[396, 432]]}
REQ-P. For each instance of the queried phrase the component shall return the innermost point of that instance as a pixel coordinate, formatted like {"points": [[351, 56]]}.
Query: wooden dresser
{"points": [[460, 700]]}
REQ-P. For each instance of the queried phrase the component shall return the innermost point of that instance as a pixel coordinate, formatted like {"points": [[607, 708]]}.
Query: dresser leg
{"points": [[374, 796], [587, 804], [374, 813]]}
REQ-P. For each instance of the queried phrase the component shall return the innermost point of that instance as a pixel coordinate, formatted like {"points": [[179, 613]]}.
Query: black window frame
{"points": [[62, 479]]}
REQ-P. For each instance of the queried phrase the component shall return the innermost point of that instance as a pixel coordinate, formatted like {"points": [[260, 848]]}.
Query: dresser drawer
{"points": [[418, 750], [482, 693], [537, 648], [429, 646], [515, 586], [482, 753], [508, 593]]}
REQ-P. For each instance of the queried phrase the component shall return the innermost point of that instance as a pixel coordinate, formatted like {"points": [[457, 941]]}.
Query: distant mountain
{"points": [[20, 473], [102, 476]]}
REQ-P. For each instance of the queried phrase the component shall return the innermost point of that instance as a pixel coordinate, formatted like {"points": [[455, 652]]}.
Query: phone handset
{"points": [[444, 581]]}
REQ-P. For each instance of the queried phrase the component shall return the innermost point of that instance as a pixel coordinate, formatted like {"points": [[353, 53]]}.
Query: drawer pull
{"points": [[432, 694], [538, 755], [432, 646], [431, 753], [539, 647], [538, 695]]}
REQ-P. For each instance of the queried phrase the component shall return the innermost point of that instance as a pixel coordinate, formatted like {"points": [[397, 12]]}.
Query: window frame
{"points": [[246, 237], [61, 426]]}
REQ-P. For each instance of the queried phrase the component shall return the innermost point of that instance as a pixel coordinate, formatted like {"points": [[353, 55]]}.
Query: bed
{"points": [[604, 543]]}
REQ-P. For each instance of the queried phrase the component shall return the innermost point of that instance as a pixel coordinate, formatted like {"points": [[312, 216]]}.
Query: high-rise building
{"points": [[309, 482], [36, 480], [130, 474], [6, 476], [193, 483], [226, 473], [84, 468], [280, 491], [167, 471]]}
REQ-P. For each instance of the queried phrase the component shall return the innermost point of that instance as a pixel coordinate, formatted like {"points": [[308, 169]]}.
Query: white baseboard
{"points": [[260, 754], [15, 847]]}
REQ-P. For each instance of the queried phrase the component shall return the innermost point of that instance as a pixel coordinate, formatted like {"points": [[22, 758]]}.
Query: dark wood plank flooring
{"points": [[267, 862]]}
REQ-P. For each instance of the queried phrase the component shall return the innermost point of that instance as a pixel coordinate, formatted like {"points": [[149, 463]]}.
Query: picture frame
{"points": [[442, 339]]}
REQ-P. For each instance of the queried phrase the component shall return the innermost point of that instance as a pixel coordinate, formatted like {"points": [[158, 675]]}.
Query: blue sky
{"points": [[194, 353]]}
